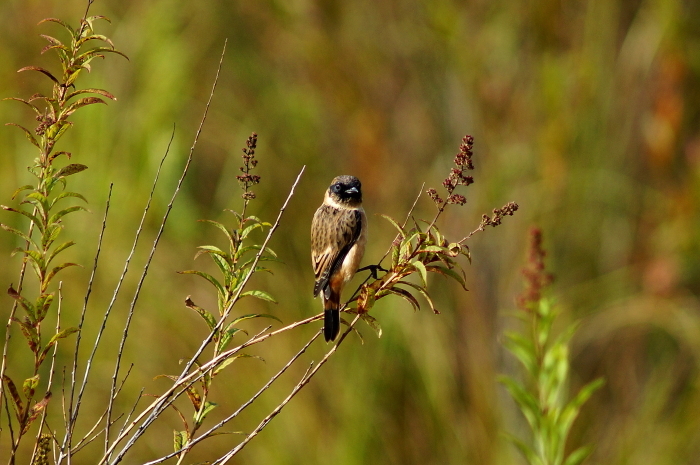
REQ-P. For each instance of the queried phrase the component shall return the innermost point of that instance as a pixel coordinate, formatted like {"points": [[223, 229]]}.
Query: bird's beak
{"points": [[352, 190]]}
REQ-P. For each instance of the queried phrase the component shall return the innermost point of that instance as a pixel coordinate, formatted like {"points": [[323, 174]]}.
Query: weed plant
{"points": [[419, 248]]}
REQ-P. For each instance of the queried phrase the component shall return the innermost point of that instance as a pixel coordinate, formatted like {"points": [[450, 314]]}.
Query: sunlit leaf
{"points": [[16, 399], [424, 293], [58, 268], [43, 71], [262, 295], [18, 233], [58, 21], [208, 317], [372, 323], [421, 271], [27, 133], [64, 195], [24, 303], [395, 224], [68, 170], [29, 386], [102, 92], [448, 272], [208, 277], [254, 315], [61, 213]]}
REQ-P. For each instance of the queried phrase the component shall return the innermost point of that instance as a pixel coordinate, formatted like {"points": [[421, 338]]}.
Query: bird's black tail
{"points": [[331, 323]]}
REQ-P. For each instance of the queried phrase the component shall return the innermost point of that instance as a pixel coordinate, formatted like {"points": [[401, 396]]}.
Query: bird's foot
{"points": [[373, 269]]}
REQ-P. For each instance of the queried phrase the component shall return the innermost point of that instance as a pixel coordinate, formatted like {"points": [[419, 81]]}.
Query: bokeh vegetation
{"points": [[586, 113]]}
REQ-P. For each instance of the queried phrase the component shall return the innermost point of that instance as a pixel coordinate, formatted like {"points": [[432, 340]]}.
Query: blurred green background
{"points": [[586, 113]]}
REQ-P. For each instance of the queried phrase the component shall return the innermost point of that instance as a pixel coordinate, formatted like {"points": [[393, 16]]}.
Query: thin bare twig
{"points": [[242, 407], [137, 292], [303, 382], [159, 405]]}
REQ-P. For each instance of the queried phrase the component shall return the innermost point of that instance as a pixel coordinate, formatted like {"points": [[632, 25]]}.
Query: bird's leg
{"points": [[373, 269]]}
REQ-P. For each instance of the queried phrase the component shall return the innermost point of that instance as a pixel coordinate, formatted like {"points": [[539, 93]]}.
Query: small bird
{"points": [[338, 238]]}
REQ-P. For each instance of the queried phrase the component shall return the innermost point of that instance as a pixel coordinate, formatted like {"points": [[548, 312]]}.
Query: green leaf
{"points": [[422, 271], [228, 335], [27, 133], [394, 256], [83, 102], [58, 21], [578, 456], [221, 227], [528, 453], [372, 323], [395, 224], [254, 315], [31, 217], [58, 250], [523, 349], [91, 91], [35, 411], [432, 249], [42, 305], [69, 170], [18, 233], [262, 295], [401, 293], [29, 386], [26, 305], [63, 334], [573, 408], [43, 71], [250, 229], [96, 52], [179, 439], [210, 249], [64, 195], [16, 399], [208, 277], [525, 400], [424, 293], [208, 317], [58, 268], [30, 105], [448, 272], [208, 407], [23, 188]]}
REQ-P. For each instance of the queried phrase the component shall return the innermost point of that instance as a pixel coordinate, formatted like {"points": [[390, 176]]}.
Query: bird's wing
{"points": [[333, 233]]}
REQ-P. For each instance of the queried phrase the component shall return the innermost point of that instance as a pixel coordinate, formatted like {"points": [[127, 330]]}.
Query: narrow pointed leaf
{"points": [[58, 268], [262, 295], [42, 71], [395, 224], [448, 272], [208, 277], [208, 317], [102, 92], [68, 170], [30, 136], [372, 323], [58, 21], [19, 233], [16, 399], [254, 315], [422, 271]]}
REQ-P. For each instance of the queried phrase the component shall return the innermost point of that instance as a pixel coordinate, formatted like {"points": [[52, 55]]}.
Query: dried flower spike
{"points": [[249, 162], [535, 275]]}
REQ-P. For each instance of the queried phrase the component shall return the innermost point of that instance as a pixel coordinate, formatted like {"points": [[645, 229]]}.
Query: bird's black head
{"points": [[346, 190]]}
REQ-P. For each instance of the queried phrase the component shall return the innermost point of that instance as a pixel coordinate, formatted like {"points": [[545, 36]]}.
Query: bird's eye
{"points": [[336, 188]]}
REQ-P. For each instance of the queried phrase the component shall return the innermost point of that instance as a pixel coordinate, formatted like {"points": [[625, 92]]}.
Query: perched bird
{"points": [[338, 238]]}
